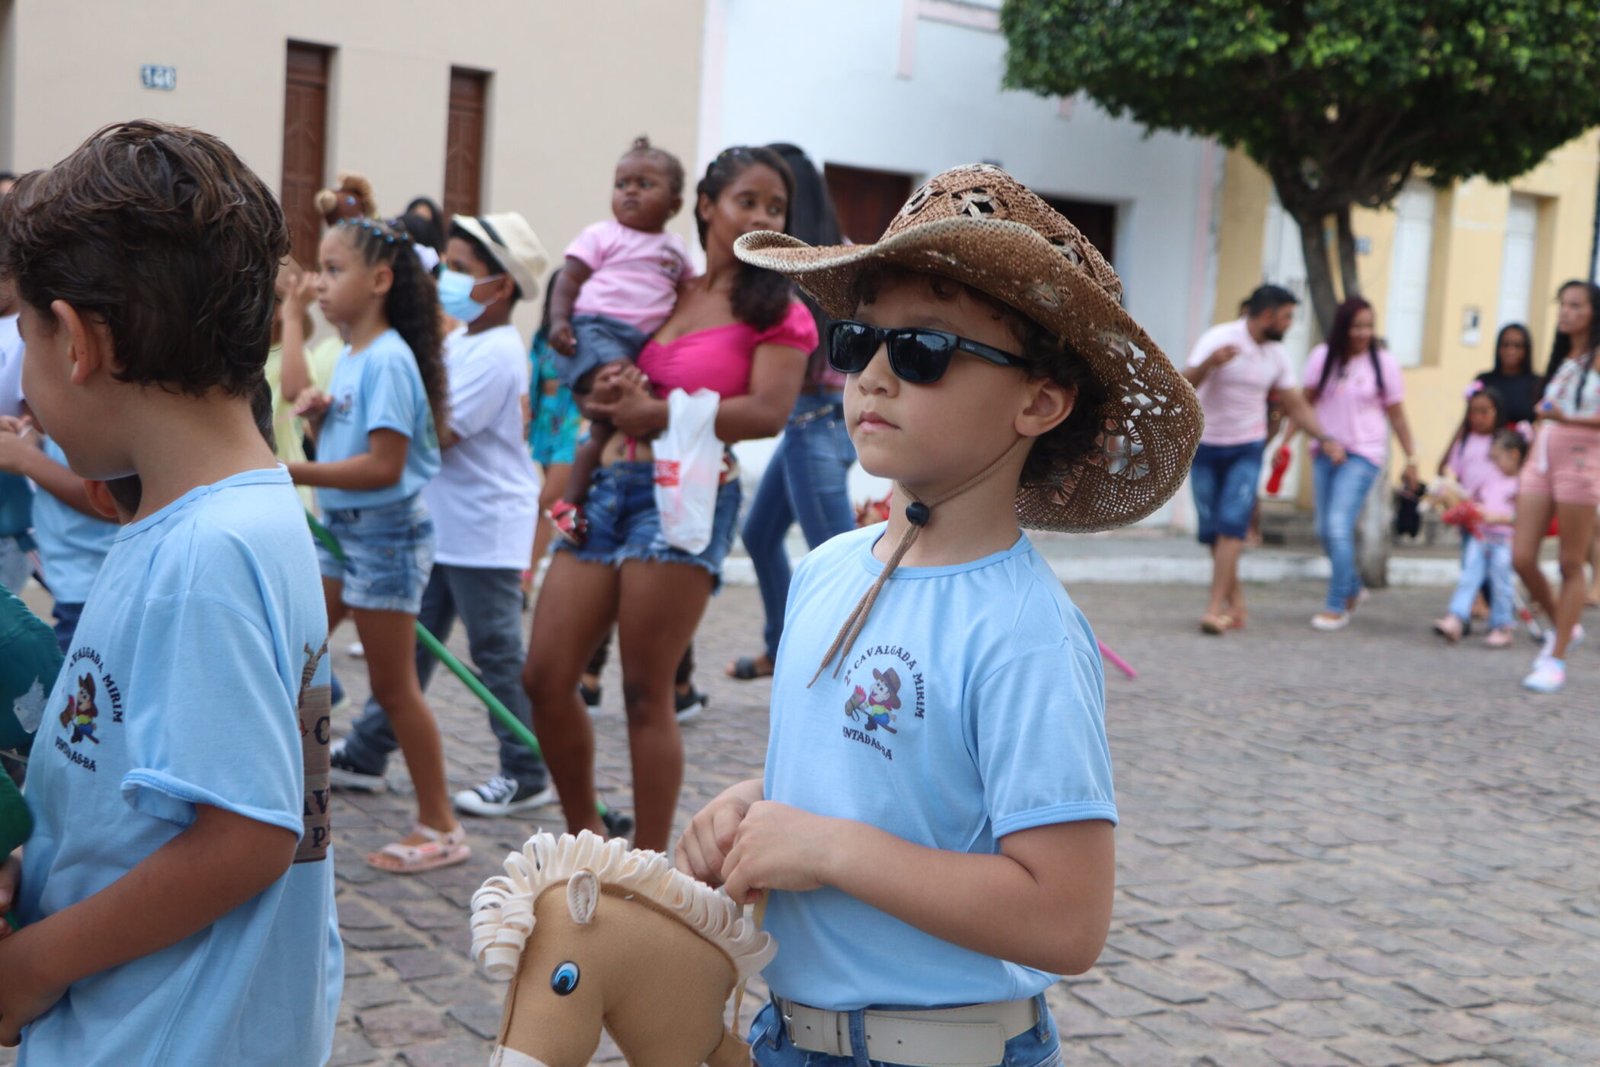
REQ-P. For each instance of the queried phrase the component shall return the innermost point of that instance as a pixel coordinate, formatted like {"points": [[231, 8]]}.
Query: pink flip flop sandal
{"points": [[439, 850]]}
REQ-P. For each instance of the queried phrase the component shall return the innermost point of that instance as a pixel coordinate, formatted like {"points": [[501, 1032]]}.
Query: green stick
{"points": [[446, 657]]}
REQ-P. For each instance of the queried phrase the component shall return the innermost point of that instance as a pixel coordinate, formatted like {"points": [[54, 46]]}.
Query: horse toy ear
{"points": [[583, 897]]}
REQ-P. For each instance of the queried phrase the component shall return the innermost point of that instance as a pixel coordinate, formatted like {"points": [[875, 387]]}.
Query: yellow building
{"points": [[1443, 268]]}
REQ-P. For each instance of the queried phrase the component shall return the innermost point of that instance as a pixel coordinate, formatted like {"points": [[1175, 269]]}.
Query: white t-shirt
{"points": [[485, 498], [1234, 395]]}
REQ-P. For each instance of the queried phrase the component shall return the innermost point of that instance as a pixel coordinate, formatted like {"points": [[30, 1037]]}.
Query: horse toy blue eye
{"points": [[564, 979]]}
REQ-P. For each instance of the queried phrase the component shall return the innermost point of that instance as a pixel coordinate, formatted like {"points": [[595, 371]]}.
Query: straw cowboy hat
{"points": [[980, 226], [513, 244]]}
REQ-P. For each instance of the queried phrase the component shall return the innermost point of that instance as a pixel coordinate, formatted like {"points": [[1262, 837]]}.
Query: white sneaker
{"points": [[502, 796], [1548, 647], [1548, 676], [1328, 623]]}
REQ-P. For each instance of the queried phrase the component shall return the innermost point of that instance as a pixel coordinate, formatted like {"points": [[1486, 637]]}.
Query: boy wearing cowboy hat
{"points": [[965, 861]]}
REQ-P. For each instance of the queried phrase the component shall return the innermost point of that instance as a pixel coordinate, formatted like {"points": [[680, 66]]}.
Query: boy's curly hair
{"points": [[1047, 356], [162, 233]]}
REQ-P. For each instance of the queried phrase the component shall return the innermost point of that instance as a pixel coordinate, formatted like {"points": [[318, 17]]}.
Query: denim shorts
{"points": [[625, 525], [601, 340], [1224, 479], [388, 554], [771, 1047]]}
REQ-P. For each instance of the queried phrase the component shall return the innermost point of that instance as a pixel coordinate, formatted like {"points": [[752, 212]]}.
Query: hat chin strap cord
{"points": [[918, 514]]}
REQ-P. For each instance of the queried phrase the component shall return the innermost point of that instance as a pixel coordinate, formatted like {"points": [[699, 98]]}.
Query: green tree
{"points": [[1339, 101]]}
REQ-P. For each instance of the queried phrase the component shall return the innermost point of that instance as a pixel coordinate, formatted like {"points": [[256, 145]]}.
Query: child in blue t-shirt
{"points": [[177, 897], [377, 432], [933, 828]]}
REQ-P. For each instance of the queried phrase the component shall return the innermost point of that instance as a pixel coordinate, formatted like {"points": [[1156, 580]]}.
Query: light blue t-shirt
{"points": [[971, 707], [198, 675], [378, 388], [71, 544]]}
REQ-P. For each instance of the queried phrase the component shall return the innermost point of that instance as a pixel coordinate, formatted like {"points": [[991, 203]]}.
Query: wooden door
{"points": [[305, 134], [1096, 221], [463, 151], [866, 200]]}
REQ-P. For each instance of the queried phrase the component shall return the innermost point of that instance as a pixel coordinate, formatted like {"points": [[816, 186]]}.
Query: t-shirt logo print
{"points": [[80, 713], [876, 707]]}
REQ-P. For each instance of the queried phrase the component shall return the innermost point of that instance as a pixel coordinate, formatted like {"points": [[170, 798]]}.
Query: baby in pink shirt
{"points": [[619, 284]]}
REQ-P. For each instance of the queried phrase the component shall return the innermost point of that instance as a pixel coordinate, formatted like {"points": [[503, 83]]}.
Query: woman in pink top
{"points": [[1562, 479], [1356, 387], [738, 331]]}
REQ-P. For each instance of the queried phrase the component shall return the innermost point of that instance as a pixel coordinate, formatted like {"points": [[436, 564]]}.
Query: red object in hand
{"points": [[1280, 467], [1466, 515]]}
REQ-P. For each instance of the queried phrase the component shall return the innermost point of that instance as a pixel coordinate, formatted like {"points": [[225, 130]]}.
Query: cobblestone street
{"points": [[1359, 848]]}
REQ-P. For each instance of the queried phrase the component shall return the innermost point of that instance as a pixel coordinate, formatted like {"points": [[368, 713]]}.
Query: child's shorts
{"points": [[1570, 456], [601, 340], [388, 554], [624, 523]]}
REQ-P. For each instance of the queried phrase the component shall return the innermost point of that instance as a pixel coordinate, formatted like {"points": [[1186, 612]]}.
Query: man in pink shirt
{"points": [[1238, 368]]}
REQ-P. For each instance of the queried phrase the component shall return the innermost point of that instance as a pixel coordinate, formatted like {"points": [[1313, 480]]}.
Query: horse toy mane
{"points": [[633, 945]]}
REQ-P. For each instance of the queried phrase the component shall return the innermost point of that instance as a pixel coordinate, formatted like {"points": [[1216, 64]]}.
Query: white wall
{"points": [[826, 75]]}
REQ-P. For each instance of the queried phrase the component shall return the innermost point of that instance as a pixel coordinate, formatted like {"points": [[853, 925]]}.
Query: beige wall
{"points": [[1468, 243], [572, 84]]}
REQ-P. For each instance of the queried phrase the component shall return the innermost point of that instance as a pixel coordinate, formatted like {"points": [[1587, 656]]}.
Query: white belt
{"points": [[973, 1036]]}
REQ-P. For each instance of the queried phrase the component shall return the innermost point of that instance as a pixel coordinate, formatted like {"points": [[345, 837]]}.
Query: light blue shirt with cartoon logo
{"points": [[378, 388], [971, 707], [198, 676]]}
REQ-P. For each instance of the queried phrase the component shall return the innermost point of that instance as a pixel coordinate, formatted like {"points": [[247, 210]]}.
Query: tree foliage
{"points": [[1340, 101]]}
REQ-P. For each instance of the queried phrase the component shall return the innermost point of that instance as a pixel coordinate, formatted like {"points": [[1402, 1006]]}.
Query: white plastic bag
{"points": [[688, 469]]}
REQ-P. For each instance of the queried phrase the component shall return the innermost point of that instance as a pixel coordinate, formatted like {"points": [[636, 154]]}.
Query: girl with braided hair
{"points": [[377, 435]]}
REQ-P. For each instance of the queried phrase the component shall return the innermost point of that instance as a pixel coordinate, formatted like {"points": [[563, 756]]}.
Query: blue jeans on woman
{"points": [[805, 480], [1341, 489]]}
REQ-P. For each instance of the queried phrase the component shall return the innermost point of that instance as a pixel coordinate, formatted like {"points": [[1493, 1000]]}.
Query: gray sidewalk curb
{"points": [[1180, 564]]}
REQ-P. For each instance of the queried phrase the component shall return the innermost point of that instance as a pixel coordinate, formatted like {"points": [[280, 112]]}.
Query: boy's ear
{"points": [[1049, 405], [101, 500], [675, 207], [89, 343]]}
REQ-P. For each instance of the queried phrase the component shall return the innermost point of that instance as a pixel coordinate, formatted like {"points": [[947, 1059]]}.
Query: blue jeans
{"points": [[1224, 479], [388, 552], [66, 616], [1482, 558], [805, 480], [624, 523], [771, 1047], [488, 601], [1341, 489]]}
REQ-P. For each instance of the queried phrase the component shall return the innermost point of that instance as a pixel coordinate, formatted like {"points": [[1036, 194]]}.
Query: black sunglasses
{"points": [[916, 355]]}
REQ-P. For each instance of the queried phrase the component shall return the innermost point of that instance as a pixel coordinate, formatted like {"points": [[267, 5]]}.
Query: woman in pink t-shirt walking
{"points": [[1356, 387]]}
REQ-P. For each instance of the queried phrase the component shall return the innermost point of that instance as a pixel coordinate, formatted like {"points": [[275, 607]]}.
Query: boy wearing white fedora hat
{"points": [[485, 504], [926, 886]]}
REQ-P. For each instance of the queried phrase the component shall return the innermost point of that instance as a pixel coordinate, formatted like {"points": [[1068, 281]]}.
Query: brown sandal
{"points": [[1215, 625]]}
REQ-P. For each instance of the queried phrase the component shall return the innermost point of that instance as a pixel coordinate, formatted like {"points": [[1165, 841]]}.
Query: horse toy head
{"points": [[592, 934]]}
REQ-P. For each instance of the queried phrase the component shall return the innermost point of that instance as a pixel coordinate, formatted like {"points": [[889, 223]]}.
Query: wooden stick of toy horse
{"points": [[592, 934]]}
